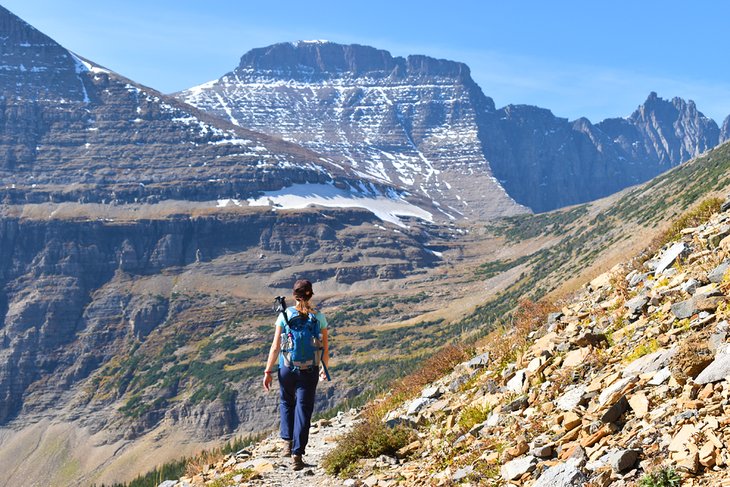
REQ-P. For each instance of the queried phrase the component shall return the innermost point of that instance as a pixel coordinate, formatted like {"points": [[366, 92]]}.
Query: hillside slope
{"points": [[628, 379], [597, 334]]}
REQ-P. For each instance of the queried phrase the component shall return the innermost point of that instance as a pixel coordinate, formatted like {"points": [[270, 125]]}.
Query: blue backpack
{"points": [[301, 345]]}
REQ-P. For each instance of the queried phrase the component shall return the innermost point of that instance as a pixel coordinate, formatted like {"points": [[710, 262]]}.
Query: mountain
{"points": [[668, 132], [410, 121], [142, 241], [425, 124], [71, 130]]}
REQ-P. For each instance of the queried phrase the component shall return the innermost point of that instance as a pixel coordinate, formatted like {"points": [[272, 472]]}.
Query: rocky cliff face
{"points": [[88, 301], [424, 123], [725, 130]]}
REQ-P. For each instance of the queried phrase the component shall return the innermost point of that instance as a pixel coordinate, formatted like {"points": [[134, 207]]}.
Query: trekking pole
{"points": [[281, 308], [324, 366]]}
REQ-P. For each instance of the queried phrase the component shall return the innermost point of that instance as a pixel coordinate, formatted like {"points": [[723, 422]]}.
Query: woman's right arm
{"points": [[273, 356]]}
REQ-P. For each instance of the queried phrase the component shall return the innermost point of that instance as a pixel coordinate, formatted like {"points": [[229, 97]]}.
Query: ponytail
{"points": [[305, 307]]}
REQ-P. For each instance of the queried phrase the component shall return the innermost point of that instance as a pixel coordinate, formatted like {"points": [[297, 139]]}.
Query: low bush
{"points": [[368, 439], [642, 349], [473, 415], [665, 477], [692, 218], [508, 341]]}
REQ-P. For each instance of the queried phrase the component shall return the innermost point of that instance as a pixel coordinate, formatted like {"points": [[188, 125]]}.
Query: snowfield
{"points": [[387, 208]]}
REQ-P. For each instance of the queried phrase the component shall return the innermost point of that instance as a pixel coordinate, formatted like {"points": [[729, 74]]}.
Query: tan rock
{"points": [[707, 455], [725, 244], [606, 430], [690, 463], [408, 449], [547, 407], [639, 404], [519, 449], [490, 457], [260, 465], [711, 423], [712, 438], [571, 435], [571, 420], [546, 342], [567, 450], [694, 404], [682, 438], [576, 357], [707, 392]]}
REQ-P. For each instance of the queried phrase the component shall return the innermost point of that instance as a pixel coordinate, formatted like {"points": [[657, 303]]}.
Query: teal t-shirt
{"points": [[292, 311]]}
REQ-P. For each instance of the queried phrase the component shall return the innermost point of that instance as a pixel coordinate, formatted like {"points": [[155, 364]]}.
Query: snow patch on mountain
{"points": [[388, 207]]}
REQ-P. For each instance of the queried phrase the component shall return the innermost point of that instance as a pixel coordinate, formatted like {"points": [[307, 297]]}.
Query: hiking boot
{"points": [[285, 447], [296, 462]]}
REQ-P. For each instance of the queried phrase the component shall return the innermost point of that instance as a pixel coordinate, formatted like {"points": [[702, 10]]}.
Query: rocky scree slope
{"points": [[425, 124], [629, 377], [600, 225], [71, 130]]}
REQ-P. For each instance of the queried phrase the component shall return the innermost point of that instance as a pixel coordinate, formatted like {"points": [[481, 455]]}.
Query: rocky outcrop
{"points": [[725, 130], [546, 162], [665, 132], [423, 123]]}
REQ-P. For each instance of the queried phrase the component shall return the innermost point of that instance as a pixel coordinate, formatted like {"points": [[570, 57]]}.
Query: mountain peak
{"points": [[312, 41], [34, 66], [322, 59]]}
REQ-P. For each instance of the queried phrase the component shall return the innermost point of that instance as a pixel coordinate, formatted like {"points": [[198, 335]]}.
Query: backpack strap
{"points": [[286, 316]]}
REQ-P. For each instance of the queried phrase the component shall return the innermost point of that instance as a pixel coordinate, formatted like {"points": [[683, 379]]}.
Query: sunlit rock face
{"points": [[411, 122]]}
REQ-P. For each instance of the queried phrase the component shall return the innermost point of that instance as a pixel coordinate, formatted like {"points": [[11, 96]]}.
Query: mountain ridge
{"points": [[332, 98]]}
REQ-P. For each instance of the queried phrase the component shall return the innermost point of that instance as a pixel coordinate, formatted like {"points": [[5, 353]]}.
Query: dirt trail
{"points": [[271, 468], [321, 441]]}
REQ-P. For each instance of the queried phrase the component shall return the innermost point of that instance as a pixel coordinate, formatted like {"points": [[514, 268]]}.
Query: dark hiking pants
{"points": [[297, 388]]}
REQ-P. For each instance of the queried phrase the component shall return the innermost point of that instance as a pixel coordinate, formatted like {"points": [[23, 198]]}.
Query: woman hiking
{"points": [[298, 373]]}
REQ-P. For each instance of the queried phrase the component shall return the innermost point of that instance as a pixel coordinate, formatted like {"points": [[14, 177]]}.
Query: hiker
{"points": [[297, 378]]}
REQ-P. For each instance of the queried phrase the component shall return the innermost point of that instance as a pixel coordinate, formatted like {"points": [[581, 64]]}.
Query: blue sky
{"points": [[577, 58]]}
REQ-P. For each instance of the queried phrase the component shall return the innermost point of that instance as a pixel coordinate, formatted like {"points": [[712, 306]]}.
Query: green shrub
{"points": [[368, 439], [227, 479], [692, 218], [473, 415], [665, 477], [642, 349]]}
